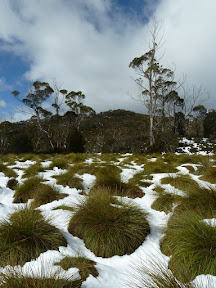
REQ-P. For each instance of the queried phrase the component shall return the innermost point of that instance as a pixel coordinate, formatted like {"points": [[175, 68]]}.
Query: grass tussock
{"points": [[109, 157], [109, 229], [109, 177], [85, 266], [25, 235], [209, 174], [9, 158], [165, 201], [182, 182], [159, 166], [77, 157], [156, 275], [201, 201], [14, 279], [59, 161], [7, 171], [192, 244], [34, 189], [33, 170], [69, 179]]}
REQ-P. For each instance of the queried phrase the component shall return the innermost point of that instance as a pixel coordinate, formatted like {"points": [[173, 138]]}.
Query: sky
{"points": [[87, 45]]}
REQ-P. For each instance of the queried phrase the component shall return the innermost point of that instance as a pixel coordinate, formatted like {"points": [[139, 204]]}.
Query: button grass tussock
{"points": [[25, 235], [108, 229]]}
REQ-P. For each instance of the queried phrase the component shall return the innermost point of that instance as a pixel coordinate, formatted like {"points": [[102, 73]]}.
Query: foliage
{"points": [[15, 279], [209, 124], [191, 242], [25, 235], [107, 229], [34, 189], [85, 266]]}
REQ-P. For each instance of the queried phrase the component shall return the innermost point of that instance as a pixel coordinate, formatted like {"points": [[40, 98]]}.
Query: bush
{"points": [[25, 235], [109, 229], [192, 244]]}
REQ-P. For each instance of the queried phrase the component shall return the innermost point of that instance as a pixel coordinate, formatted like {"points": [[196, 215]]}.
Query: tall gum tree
{"points": [[154, 80]]}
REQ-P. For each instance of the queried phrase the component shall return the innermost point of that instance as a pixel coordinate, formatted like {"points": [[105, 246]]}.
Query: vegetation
{"points": [[7, 171], [14, 279], [85, 266], [107, 229], [34, 189], [191, 242], [165, 200], [158, 276], [25, 235]]}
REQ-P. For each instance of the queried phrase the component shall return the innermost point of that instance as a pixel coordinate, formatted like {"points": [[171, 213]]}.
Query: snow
{"points": [[116, 271]]}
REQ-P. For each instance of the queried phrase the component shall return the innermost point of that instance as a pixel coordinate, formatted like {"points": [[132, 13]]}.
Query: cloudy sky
{"points": [[87, 45]]}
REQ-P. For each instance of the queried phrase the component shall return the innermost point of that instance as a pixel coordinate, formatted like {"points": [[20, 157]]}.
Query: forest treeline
{"points": [[112, 132]]}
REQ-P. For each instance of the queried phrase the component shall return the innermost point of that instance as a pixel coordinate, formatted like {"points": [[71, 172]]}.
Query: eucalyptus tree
{"points": [[37, 95], [154, 80], [74, 101]]}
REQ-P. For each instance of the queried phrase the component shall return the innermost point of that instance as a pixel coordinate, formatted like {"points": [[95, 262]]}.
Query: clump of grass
{"points": [[209, 174], [85, 266], [158, 276], [46, 194], [77, 157], [64, 207], [109, 157], [109, 229], [181, 182], [109, 177], [15, 279], [12, 183], [28, 156], [33, 170], [9, 158], [25, 190], [190, 168], [60, 161], [192, 244], [33, 188], [25, 235], [68, 179], [185, 159], [137, 158], [7, 171], [165, 200], [159, 166], [140, 179], [201, 201]]}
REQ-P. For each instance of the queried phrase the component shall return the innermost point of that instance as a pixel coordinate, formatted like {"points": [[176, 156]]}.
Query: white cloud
{"points": [[2, 104], [81, 45]]}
